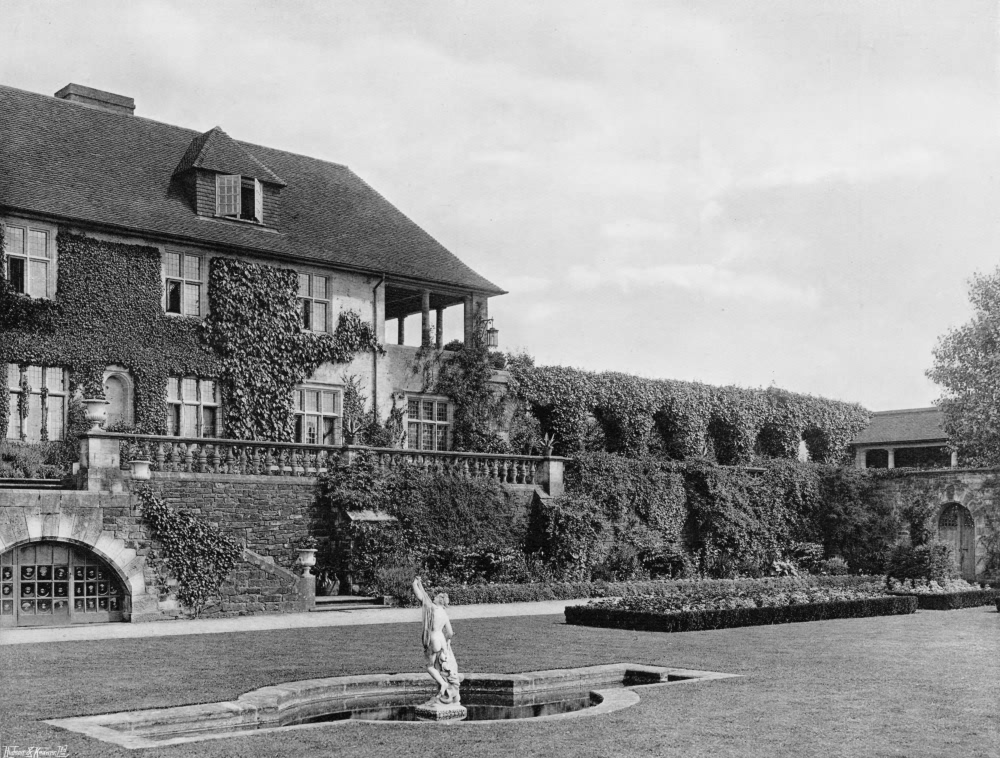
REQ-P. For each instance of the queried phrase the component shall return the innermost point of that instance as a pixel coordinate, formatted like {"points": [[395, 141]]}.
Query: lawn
{"points": [[920, 685]]}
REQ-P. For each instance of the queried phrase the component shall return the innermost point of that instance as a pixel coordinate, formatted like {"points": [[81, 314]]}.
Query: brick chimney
{"points": [[95, 98]]}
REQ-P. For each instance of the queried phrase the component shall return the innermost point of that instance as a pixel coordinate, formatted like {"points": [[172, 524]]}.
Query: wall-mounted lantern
{"points": [[491, 335]]}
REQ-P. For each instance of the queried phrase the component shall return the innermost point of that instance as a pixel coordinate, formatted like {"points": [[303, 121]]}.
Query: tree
{"points": [[967, 367]]}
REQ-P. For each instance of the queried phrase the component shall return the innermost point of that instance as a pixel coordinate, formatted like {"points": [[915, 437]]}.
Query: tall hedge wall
{"points": [[681, 420]]}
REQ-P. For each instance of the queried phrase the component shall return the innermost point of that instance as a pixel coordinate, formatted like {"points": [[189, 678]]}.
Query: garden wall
{"points": [[923, 495], [268, 515]]}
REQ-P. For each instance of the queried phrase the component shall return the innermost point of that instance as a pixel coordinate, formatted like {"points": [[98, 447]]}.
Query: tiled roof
{"points": [[88, 165], [217, 151], [910, 425]]}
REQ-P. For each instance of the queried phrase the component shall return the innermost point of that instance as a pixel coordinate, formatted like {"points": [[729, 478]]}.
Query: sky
{"points": [[788, 193]]}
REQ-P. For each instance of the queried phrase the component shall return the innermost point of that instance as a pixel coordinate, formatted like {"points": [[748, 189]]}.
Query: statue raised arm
{"points": [[436, 638]]}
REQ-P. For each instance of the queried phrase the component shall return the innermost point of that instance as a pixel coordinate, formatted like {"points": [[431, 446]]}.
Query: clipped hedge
{"points": [[680, 419], [694, 621], [950, 601]]}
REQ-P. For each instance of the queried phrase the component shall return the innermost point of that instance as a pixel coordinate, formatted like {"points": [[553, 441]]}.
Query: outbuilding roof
{"points": [[88, 165], [907, 425]]}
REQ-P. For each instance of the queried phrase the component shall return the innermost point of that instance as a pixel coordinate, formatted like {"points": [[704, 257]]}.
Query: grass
{"points": [[920, 685]]}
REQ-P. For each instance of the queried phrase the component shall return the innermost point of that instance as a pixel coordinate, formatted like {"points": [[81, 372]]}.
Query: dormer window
{"points": [[239, 197]]}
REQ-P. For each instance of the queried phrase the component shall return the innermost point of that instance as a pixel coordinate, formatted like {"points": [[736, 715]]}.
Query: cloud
{"points": [[705, 278], [526, 284], [915, 161], [639, 230]]}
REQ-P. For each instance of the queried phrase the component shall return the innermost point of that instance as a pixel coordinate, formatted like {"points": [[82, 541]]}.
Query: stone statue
{"points": [[437, 634]]}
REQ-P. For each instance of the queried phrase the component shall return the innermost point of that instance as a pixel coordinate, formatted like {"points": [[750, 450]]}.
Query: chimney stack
{"points": [[95, 98]]}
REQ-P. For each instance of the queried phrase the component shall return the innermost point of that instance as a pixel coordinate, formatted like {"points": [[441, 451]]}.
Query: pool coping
{"points": [[259, 711]]}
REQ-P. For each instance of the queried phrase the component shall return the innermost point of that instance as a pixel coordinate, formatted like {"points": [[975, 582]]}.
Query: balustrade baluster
{"points": [[159, 456], [202, 458]]}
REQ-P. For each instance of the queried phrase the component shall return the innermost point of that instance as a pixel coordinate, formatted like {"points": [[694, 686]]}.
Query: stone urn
{"points": [[97, 412], [140, 469], [307, 559]]}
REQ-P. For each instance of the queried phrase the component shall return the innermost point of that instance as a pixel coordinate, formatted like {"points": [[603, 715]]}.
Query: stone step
{"points": [[31, 484], [347, 603]]}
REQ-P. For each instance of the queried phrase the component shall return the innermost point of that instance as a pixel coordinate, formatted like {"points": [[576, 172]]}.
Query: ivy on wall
{"points": [[254, 327], [107, 310], [682, 420], [194, 552]]}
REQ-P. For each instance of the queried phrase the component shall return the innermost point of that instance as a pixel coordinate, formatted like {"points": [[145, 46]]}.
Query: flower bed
{"points": [[947, 596], [524, 593], [691, 621], [713, 605]]}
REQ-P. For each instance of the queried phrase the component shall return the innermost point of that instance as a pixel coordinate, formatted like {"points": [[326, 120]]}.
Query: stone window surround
{"points": [[50, 259], [184, 282], [302, 414], [46, 398], [309, 301], [177, 400], [419, 425]]}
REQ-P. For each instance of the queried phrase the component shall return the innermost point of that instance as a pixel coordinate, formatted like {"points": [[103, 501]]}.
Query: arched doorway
{"points": [[55, 584], [957, 529]]}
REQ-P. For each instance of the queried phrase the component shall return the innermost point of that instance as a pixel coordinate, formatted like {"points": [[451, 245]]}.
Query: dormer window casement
{"points": [[240, 197]]}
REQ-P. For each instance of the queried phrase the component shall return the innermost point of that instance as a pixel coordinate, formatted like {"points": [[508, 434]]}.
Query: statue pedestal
{"points": [[435, 711]]}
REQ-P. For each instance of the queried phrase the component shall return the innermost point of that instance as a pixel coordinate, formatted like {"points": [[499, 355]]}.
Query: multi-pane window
{"points": [[427, 424], [182, 283], [30, 259], [317, 415], [239, 197], [314, 300], [192, 407], [37, 403]]}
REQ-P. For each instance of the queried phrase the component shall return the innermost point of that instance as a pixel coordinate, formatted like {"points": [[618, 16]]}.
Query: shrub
{"points": [[857, 520], [571, 534], [22, 460], [835, 566], [448, 527], [929, 562]]}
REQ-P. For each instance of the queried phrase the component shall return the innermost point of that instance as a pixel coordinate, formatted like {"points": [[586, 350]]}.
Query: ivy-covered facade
{"points": [[205, 287]]}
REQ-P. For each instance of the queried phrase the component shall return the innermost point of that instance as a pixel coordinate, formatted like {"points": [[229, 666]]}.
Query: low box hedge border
{"points": [[695, 621], [951, 601]]}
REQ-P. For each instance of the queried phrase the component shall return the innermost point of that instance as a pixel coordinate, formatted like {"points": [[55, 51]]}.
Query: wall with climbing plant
{"points": [[253, 326], [108, 311]]}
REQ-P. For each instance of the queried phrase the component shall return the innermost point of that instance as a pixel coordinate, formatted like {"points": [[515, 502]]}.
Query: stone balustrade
{"points": [[104, 452]]}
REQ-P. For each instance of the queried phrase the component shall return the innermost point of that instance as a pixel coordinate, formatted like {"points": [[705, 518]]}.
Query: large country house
{"points": [[80, 171], [222, 303]]}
